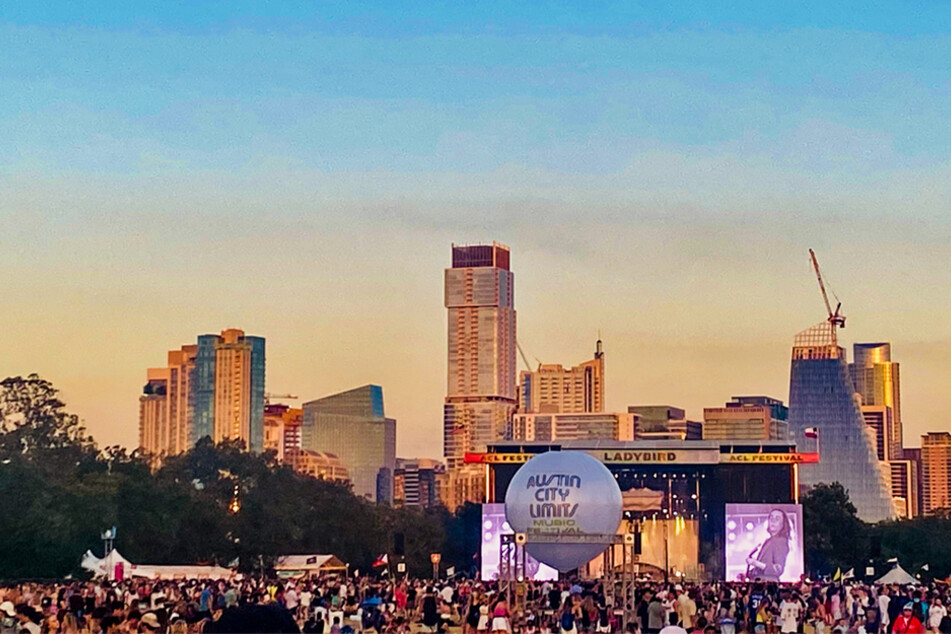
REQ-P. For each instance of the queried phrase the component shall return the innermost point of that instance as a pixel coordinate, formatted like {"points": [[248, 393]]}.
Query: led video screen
{"points": [[764, 541], [494, 525]]}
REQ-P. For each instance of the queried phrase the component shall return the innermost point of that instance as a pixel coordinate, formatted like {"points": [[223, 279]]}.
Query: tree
{"points": [[834, 536], [33, 418]]}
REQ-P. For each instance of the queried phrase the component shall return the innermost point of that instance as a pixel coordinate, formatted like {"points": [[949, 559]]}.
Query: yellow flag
{"points": [[838, 574]]}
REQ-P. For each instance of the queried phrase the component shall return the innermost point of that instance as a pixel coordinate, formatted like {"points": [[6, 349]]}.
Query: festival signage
{"points": [[769, 458], [567, 504], [658, 457]]}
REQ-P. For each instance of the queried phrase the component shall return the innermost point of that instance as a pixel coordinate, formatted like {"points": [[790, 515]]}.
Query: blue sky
{"points": [[178, 167]]}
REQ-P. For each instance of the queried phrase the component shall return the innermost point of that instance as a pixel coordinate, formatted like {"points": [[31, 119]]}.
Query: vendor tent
{"points": [[309, 564], [897, 575], [115, 565], [106, 566]]}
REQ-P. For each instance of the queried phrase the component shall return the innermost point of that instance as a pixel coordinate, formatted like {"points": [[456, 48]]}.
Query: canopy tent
{"points": [[114, 565], [897, 575], [297, 565]]}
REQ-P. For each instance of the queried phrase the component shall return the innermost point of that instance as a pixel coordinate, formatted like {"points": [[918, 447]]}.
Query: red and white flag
{"points": [[382, 560], [811, 432]]}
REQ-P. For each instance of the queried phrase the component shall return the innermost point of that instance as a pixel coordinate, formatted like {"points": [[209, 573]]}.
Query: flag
{"points": [[893, 560], [926, 567], [849, 574], [450, 571], [382, 560], [811, 432], [311, 560], [837, 575]]}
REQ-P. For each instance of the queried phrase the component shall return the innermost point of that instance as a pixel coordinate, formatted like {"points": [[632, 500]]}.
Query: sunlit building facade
{"points": [[480, 392], [553, 389], [352, 425], [904, 478], [821, 395], [153, 416], [573, 426], [419, 482], [877, 380], [747, 418], [228, 389], [664, 422], [319, 464], [936, 472], [282, 425], [165, 415]]}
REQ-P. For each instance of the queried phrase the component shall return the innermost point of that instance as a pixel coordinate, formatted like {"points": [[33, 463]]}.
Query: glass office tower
{"points": [[227, 399], [353, 426], [821, 395]]}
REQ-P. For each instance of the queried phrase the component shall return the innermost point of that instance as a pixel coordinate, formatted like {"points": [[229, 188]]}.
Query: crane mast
{"points": [[835, 318]]}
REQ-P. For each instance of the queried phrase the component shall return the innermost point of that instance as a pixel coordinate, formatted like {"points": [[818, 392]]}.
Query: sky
{"points": [[300, 169]]}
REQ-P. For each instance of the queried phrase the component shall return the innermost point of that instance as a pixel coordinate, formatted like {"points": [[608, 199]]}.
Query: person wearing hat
{"points": [[8, 617], [149, 623], [906, 623]]}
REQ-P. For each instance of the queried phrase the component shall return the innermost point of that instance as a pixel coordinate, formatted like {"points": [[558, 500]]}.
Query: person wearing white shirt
{"points": [[936, 613], [883, 601], [789, 611]]}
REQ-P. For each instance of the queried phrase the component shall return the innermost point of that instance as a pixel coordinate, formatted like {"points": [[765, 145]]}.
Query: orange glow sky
{"points": [[659, 178]]}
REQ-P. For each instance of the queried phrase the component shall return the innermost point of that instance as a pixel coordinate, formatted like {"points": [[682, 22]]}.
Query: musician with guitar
{"points": [[768, 560]]}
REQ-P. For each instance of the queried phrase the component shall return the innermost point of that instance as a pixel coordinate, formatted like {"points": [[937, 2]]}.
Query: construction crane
{"points": [[836, 319], [524, 358]]}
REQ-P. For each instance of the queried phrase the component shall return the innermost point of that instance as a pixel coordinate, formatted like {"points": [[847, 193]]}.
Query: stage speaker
{"points": [[399, 544]]}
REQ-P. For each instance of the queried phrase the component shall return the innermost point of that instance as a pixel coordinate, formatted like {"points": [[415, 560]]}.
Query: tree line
{"points": [[60, 491], [836, 539]]}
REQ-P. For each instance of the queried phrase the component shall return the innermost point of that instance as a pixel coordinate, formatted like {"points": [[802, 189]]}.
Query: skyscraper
{"points": [[935, 472], [164, 413], [480, 391], [352, 426], [228, 388], [551, 389], [876, 379], [821, 395]]}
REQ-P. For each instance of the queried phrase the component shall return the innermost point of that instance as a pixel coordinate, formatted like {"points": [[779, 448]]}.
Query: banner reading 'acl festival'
{"points": [[563, 496]]}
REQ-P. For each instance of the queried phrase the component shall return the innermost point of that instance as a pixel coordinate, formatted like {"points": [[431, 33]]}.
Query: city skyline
{"points": [[659, 173], [422, 449]]}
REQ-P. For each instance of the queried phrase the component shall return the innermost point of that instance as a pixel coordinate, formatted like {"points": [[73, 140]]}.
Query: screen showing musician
{"points": [[764, 542], [494, 525]]}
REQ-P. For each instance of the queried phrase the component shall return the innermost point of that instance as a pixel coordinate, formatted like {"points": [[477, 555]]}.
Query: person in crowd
{"points": [[907, 622]]}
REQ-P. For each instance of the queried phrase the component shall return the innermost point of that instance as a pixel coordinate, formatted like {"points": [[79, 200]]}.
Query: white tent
{"points": [[897, 575], [107, 567]]}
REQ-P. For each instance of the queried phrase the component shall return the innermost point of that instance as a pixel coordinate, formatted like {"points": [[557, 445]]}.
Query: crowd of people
{"points": [[333, 605]]}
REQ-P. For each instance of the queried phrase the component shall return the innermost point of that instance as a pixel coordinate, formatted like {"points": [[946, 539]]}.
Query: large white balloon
{"points": [[562, 495]]}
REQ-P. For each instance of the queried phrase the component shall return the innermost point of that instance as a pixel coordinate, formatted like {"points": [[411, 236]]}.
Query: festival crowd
{"points": [[333, 605]]}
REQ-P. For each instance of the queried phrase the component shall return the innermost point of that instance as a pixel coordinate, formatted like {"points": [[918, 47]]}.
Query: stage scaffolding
{"points": [[621, 567]]}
